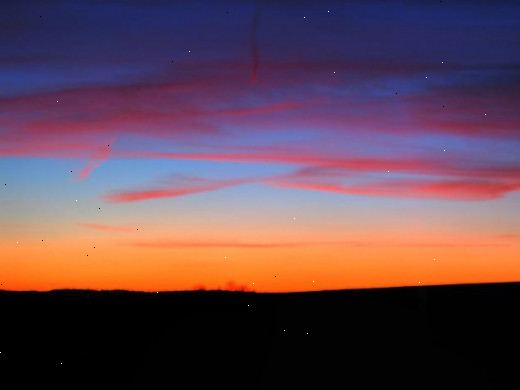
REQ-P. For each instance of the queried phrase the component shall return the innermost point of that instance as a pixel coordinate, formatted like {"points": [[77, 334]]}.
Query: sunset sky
{"points": [[269, 146]]}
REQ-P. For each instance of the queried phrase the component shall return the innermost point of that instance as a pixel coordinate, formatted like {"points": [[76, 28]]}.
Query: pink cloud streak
{"points": [[442, 189], [108, 228], [172, 191]]}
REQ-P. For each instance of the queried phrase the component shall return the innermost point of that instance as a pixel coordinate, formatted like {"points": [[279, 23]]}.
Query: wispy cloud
{"points": [[166, 243], [363, 176], [75, 122], [174, 190], [327, 163], [179, 244], [97, 159], [452, 189], [108, 228], [509, 236]]}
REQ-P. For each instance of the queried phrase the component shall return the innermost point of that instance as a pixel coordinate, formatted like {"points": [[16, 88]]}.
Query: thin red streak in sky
{"points": [[222, 244], [425, 165], [108, 228], [446, 189], [254, 46], [194, 244], [171, 192]]}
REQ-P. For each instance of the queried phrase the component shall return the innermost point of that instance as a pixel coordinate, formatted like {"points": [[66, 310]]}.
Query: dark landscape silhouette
{"points": [[464, 336]]}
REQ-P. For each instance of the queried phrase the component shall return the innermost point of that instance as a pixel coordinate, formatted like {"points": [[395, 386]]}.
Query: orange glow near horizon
{"points": [[148, 264]]}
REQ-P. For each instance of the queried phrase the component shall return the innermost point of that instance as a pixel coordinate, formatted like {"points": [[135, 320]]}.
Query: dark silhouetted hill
{"points": [[465, 337]]}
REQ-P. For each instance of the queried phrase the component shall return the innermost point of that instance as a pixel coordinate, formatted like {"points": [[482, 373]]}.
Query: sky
{"points": [[258, 145]]}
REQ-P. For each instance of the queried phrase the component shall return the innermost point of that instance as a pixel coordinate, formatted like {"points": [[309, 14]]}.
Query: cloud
{"points": [[402, 177], [316, 164], [206, 106], [173, 244], [97, 159], [185, 187], [293, 99], [450, 189], [509, 236], [197, 244], [108, 228]]}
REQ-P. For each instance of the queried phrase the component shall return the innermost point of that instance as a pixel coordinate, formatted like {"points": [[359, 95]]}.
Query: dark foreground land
{"points": [[426, 337]]}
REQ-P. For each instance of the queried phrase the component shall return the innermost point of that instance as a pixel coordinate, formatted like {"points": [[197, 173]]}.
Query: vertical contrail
{"points": [[254, 46]]}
